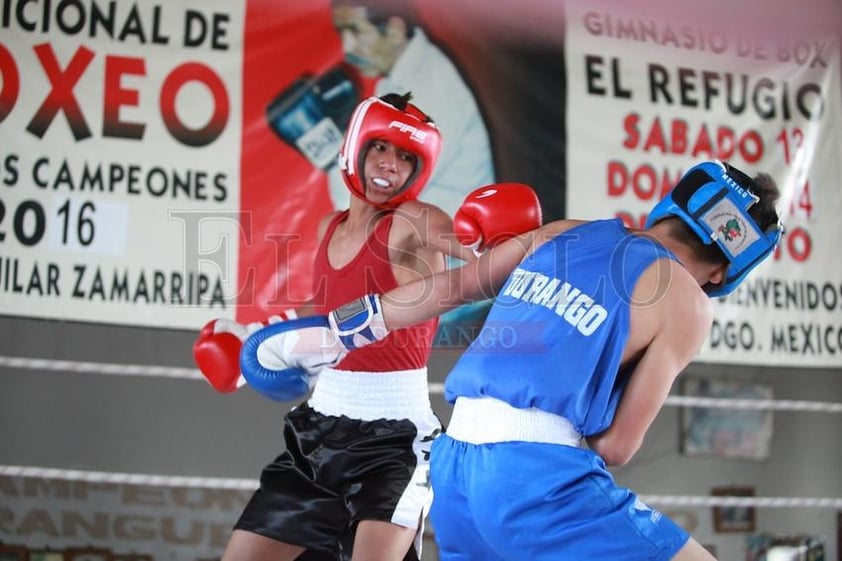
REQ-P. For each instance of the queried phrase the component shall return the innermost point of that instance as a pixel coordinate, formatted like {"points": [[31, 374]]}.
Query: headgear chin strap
{"points": [[713, 199], [409, 130]]}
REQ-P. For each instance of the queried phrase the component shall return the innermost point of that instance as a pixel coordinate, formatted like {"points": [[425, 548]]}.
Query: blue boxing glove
{"points": [[313, 113], [283, 360]]}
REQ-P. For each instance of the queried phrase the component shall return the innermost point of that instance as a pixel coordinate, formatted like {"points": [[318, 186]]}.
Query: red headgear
{"points": [[409, 129]]}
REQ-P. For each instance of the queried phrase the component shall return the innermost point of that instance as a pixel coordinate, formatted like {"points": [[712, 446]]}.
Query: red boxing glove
{"points": [[495, 213], [217, 350]]}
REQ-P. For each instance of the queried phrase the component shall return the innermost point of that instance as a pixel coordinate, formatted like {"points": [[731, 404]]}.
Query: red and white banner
{"points": [[150, 173], [653, 92]]}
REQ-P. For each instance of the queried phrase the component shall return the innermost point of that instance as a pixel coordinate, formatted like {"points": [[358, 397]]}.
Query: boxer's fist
{"points": [[313, 113], [217, 350], [216, 353], [282, 360], [494, 213]]}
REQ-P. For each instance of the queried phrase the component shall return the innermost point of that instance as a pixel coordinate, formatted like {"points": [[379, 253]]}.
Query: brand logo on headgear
{"points": [[414, 133], [731, 229]]}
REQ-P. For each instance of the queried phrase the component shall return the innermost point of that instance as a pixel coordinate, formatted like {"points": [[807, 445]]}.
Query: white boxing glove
{"points": [[281, 360]]}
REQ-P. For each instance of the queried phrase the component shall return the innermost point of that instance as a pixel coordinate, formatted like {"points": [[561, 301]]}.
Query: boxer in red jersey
{"points": [[356, 458]]}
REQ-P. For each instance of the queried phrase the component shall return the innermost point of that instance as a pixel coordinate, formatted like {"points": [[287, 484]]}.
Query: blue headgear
{"points": [[713, 199]]}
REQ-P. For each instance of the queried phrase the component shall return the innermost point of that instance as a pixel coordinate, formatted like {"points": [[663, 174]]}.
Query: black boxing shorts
{"points": [[338, 470]]}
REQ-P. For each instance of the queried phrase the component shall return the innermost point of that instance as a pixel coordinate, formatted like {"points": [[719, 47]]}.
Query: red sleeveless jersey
{"points": [[370, 271]]}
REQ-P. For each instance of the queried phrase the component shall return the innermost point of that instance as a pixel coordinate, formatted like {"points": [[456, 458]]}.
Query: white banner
{"points": [[142, 522], [119, 160], [652, 93]]}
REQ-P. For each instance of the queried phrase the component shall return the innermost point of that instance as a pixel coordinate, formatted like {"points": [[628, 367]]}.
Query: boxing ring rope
{"points": [[435, 388], [99, 367], [252, 484]]}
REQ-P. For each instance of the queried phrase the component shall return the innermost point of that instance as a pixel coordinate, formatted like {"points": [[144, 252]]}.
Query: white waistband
{"points": [[486, 420], [368, 396]]}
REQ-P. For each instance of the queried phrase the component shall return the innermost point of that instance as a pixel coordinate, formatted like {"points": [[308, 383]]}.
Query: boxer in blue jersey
{"points": [[592, 325]]}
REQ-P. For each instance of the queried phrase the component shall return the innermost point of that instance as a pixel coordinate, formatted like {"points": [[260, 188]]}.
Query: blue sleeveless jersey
{"points": [[555, 336]]}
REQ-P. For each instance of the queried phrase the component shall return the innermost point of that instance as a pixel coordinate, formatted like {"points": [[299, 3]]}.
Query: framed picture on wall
{"points": [[13, 553], [733, 518], [724, 432]]}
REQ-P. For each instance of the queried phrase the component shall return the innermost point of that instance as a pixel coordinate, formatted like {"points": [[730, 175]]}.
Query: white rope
{"points": [[759, 502], [732, 403], [435, 388], [99, 367], [252, 484], [129, 478]]}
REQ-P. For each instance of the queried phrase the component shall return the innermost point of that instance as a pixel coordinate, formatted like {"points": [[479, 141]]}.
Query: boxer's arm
{"points": [[680, 321], [278, 360], [480, 279]]}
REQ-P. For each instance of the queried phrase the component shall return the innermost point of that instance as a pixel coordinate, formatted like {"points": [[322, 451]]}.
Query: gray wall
{"points": [[168, 426]]}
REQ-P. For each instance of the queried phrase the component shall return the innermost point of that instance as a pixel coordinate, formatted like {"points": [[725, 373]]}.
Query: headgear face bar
{"points": [[409, 130], [713, 199]]}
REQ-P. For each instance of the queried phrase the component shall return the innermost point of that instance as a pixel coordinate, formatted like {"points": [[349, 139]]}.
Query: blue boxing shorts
{"points": [[539, 501]]}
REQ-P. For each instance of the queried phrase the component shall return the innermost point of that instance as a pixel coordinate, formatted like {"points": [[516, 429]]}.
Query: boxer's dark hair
{"points": [[399, 101]]}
